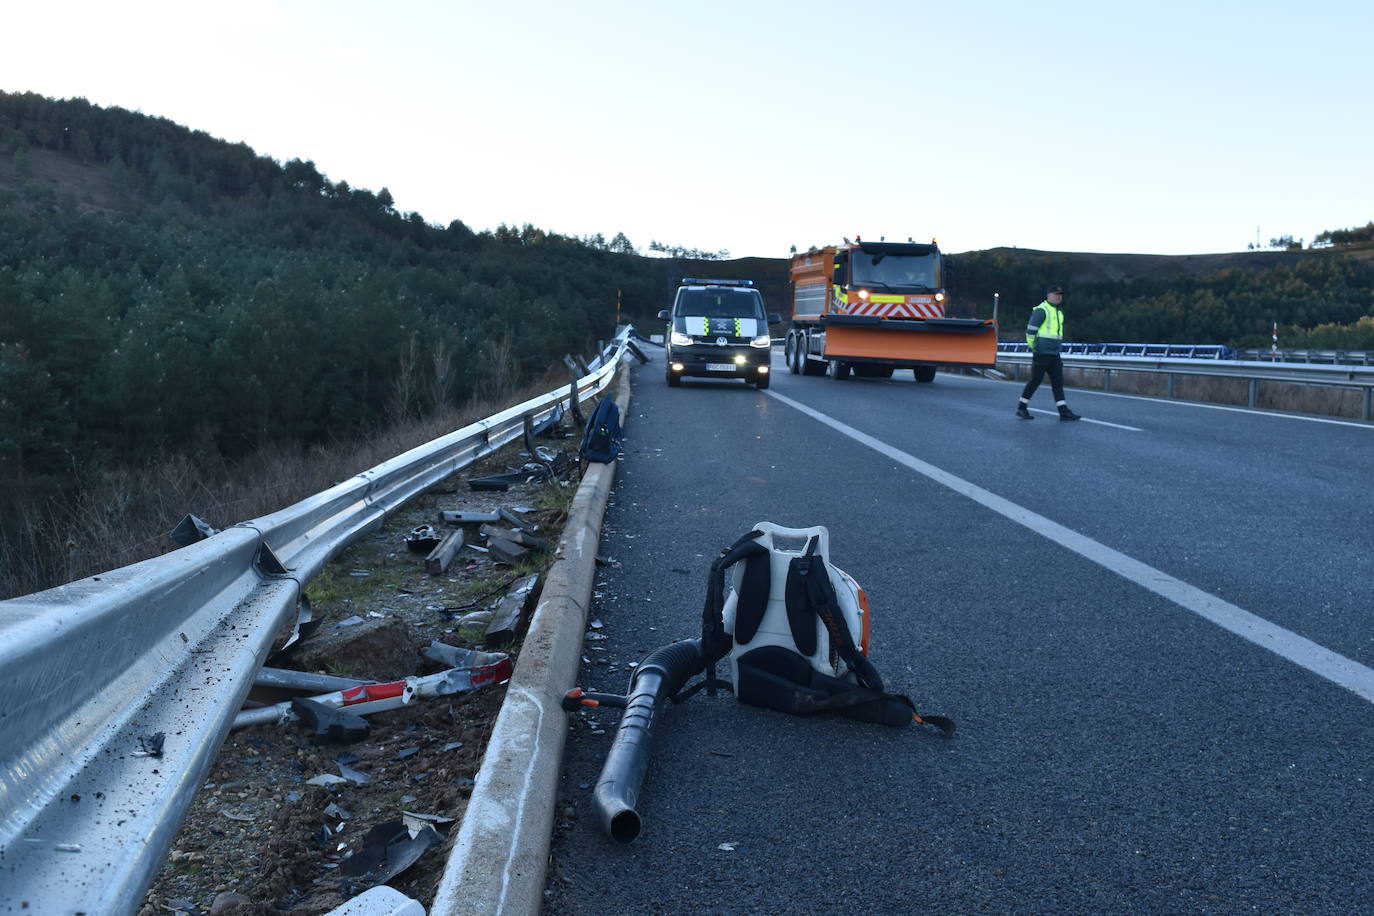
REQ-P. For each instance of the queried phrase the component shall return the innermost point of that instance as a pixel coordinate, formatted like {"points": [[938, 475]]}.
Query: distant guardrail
{"points": [[1205, 351], [119, 688], [1253, 371]]}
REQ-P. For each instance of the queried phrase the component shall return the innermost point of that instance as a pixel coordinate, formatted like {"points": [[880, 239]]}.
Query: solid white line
{"points": [[1182, 403], [1053, 413], [1301, 651]]}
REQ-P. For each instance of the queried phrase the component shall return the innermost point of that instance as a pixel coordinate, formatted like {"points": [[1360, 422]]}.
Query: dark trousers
{"points": [[1041, 364]]}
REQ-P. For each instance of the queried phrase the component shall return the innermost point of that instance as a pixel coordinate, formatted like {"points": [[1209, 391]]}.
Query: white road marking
{"points": [[1299, 650], [1055, 414], [1182, 403]]}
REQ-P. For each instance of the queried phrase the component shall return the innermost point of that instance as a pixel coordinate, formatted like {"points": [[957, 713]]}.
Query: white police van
{"points": [[718, 329]]}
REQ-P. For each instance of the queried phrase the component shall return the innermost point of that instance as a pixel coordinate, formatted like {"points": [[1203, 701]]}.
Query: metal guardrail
{"points": [[1335, 357], [1254, 371], [118, 689], [1158, 351], [1203, 351]]}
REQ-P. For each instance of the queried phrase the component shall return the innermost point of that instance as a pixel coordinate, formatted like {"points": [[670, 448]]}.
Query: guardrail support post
{"points": [[1169, 391], [1106, 380], [1369, 404], [1254, 392]]}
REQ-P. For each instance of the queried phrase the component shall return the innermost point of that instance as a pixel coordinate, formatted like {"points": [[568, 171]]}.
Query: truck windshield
{"points": [[896, 271], [720, 303]]}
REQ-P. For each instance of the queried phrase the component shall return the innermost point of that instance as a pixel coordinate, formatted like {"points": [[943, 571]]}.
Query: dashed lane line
{"points": [[1299, 650]]}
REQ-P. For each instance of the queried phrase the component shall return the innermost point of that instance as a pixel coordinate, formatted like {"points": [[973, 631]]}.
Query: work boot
{"points": [[1022, 413], [1066, 414]]}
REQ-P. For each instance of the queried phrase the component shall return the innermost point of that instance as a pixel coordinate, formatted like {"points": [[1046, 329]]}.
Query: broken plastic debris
{"points": [[225, 812], [728, 847], [452, 746], [68, 847], [389, 849], [416, 822], [326, 779], [597, 624], [350, 621], [348, 772], [333, 810], [407, 752]]}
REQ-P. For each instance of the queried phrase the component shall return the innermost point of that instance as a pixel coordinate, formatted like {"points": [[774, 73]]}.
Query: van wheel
{"points": [[674, 380], [761, 381], [924, 374]]}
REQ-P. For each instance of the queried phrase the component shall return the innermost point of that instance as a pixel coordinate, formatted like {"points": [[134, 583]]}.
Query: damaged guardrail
{"points": [[1254, 372], [119, 688]]}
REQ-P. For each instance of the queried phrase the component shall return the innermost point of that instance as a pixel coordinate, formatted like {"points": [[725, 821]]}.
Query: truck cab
{"points": [[718, 329]]}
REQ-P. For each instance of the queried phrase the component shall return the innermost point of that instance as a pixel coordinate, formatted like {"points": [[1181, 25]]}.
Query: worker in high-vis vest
{"points": [[1045, 334]]}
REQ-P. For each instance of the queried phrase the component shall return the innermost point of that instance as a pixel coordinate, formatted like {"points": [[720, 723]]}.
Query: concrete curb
{"points": [[500, 858]]}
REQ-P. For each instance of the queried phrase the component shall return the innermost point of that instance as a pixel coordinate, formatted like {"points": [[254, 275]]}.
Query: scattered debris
{"points": [[326, 780], [151, 746], [333, 810], [511, 613], [444, 551], [422, 539], [469, 518], [389, 849], [285, 679], [349, 773], [329, 724]]}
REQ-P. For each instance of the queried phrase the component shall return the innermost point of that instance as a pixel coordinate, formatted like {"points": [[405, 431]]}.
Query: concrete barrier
{"points": [[500, 859]]}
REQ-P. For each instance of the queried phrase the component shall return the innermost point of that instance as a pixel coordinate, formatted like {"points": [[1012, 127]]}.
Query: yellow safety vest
{"points": [[1052, 327]]}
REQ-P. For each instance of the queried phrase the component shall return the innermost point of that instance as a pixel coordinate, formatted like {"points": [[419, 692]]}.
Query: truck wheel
{"points": [[793, 356], [674, 380], [838, 369], [924, 374], [812, 366]]}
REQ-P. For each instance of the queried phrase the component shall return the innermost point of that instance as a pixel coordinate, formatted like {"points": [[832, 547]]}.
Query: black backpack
{"points": [[601, 440]]}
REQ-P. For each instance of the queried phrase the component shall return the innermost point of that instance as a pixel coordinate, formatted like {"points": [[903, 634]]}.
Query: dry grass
{"points": [[116, 517]]}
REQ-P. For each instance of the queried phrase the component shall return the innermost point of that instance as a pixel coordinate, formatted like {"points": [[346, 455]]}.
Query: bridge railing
{"points": [[118, 689]]}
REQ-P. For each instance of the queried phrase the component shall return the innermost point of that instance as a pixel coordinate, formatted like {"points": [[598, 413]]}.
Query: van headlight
{"points": [[763, 340], [679, 339]]}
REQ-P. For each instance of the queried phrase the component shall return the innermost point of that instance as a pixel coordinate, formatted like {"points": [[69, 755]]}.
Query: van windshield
{"points": [[720, 303]]}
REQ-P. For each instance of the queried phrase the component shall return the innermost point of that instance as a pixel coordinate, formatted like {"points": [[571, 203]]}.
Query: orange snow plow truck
{"points": [[867, 308]]}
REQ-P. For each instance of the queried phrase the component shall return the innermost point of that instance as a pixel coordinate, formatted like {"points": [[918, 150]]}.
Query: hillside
{"points": [[163, 290]]}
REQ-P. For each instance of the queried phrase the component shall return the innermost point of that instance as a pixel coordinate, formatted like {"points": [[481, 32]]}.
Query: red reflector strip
{"points": [[369, 692]]}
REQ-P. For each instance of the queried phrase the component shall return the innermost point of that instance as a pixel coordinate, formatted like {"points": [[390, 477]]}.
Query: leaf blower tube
{"points": [[660, 675]]}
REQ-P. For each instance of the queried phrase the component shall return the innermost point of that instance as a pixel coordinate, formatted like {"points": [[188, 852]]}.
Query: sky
{"points": [[1161, 128]]}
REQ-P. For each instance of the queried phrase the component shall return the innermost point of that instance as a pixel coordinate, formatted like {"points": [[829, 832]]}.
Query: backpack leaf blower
{"points": [[795, 630]]}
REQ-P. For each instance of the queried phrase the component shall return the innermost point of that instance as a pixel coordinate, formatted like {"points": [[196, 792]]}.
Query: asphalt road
{"points": [[1071, 593]]}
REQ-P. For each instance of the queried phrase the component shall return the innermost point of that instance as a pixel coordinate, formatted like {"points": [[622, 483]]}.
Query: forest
{"points": [[165, 294]]}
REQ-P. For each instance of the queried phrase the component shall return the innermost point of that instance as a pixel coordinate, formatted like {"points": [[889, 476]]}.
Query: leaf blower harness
{"points": [[795, 631]]}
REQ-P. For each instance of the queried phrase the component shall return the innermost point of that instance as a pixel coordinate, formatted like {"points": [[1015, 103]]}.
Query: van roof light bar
{"points": [[698, 281]]}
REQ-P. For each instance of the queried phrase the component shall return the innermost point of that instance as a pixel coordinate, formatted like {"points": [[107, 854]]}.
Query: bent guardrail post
{"points": [[120, 688]]}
